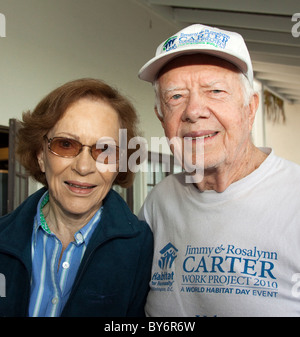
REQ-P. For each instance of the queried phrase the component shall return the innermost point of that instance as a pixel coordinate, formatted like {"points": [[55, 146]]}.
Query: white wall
{"points": [[49, 42], [284, 138]]}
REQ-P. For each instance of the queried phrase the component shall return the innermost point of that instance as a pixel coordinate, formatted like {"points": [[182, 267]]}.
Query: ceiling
{"points": [[266, 26]]}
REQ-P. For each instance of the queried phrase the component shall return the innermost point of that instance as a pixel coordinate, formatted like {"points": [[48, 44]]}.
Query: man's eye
{"points": [[217, 91], [177, 96]]}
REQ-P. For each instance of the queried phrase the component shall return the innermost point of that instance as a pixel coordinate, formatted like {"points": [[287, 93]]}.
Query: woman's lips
{"points": [[79, 187]]}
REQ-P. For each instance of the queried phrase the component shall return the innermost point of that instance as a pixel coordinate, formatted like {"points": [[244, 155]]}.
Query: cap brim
{"points": [[151, 69]]}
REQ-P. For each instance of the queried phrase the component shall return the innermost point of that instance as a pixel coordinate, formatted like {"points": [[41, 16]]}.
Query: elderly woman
{"points": [[74, 248]]}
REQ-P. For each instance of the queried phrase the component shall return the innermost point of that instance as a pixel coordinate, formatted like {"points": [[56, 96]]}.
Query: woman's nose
{"points": [[84, 163]]}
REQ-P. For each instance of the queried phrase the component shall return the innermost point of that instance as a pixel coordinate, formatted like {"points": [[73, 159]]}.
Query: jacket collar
{"points": [[16, 227], [116, 221]]}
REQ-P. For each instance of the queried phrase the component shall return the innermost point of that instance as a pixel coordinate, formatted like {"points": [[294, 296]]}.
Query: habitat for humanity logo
{"points": [[168, 255], [163, 280]]}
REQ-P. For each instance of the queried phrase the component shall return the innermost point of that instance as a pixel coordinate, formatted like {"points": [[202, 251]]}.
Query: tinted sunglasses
{"points": [[70, 148]]}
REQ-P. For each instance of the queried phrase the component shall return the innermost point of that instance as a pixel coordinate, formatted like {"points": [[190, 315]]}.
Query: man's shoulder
{"points": [[288, 167], [170, 183], [277, 166], [162, 198], [166, 192]]}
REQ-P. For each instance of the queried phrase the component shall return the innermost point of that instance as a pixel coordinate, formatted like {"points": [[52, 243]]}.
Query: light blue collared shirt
{"points": [[51, 283]]}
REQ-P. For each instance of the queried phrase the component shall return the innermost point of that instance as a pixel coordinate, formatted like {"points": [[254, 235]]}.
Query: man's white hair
{"points": [[247, 88]]}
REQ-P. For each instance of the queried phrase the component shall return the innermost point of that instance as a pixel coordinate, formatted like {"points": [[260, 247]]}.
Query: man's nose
{"points": [[196, 108]]}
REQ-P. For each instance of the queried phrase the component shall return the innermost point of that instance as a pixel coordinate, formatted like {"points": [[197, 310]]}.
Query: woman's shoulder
{"points": [[25, 209], [119, 210]]}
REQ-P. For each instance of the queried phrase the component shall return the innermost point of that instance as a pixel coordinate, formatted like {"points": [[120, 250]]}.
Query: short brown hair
{"points": [[50, 110]]}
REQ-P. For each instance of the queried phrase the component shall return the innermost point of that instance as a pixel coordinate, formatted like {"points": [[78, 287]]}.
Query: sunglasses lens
{"points": [[106, 153], [65, 147]]}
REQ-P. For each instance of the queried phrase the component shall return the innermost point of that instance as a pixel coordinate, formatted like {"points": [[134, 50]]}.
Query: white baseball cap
{"points": [[198, 38]]}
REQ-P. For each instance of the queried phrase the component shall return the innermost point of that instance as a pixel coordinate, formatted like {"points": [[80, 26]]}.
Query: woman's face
{"points": [[75, 184]]}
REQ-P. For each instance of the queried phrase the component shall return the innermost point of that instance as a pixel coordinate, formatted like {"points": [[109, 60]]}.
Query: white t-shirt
{"points": [[235, 253]]}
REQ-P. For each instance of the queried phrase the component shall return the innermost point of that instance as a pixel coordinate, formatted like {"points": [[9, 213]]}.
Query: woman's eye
{"points": [[66, 144]]}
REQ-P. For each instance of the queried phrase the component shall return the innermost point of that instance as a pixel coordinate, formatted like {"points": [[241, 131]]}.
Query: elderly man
{"points": [[227, 244]]}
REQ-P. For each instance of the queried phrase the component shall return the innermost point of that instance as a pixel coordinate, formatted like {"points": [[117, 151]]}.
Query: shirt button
{"points": [[79, 238], [66, 265], [54, 300]]}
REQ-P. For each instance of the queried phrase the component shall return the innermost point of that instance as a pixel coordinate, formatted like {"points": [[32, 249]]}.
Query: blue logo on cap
{"points": [[170, 44], [206, 36]]}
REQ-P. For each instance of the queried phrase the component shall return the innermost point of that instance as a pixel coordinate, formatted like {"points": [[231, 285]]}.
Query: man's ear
{"points": [[253, 106], [159, 116], [40, 158]]}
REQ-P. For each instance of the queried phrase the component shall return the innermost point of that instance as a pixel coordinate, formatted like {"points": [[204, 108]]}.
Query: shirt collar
{"points": [[85, 233], [41, 221]]}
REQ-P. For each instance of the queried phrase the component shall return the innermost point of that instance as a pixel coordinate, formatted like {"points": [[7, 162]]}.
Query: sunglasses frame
{"points": [[49, 140]]}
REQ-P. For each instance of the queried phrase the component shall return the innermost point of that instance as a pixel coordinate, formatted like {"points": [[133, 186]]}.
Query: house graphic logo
{"points": [[168, 256]]}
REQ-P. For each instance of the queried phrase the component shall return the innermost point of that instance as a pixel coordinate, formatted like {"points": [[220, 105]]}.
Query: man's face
{"points": [[202, 100]]}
